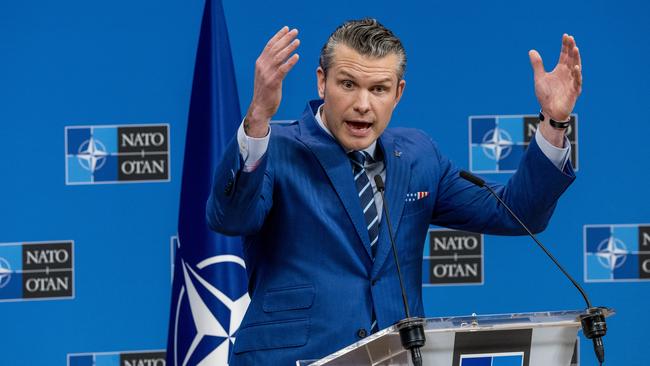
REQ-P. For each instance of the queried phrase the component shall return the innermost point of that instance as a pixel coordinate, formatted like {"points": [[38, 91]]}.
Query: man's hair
{"points": [[369, 38]]}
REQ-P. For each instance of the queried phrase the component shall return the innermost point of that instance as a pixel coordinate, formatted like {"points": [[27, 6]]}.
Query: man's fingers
{"points": [[577, 77], [276, 37], [576, 57], [536, 63], [566, 49], [283, 42], [287, 66], [281, 56]]}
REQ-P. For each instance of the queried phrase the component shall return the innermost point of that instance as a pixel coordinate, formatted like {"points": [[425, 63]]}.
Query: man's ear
{"points": [[320, 76], [400, 90]]}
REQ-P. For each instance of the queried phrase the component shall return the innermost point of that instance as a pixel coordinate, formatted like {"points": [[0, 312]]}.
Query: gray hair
{"points": [[368, 37]]}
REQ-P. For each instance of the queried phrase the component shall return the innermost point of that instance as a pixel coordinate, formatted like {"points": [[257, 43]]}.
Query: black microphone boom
{"points": [[472, 178], [593, 323], [411, 330]]}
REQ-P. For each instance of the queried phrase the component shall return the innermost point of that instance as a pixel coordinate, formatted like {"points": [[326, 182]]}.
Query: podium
{"points": [[525, 339]]}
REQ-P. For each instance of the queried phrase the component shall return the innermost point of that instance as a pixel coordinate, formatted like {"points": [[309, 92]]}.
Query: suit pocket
{"points": [[283, 323], [414, 205], [272, 335], [288, 298]]}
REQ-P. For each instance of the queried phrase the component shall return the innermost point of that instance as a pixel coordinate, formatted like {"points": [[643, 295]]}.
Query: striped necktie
{"points": [[366, 196]]}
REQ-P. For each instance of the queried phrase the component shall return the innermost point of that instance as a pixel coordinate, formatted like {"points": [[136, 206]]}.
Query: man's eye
{"points": [[379, 89], [347, 84]]}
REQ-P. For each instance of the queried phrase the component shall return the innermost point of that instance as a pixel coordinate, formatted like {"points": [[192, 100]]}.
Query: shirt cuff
{"points": [[557, 156], [252, 149]]}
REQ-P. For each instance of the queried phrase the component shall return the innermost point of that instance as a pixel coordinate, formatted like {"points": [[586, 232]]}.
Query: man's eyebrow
{"points": [[384, 80], [348, 75]]}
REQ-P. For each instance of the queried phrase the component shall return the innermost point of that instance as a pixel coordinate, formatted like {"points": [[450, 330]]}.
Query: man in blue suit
{"points": [[302, 194]]}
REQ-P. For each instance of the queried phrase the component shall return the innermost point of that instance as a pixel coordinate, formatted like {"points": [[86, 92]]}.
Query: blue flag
{"points": [[209, 295]]}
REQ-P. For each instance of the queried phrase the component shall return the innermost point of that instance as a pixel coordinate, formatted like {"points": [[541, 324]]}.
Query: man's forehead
{"points": [[348, 61]]}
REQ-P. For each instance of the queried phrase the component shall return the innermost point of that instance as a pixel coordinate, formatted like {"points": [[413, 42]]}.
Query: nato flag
{"points": [[209, 295]]}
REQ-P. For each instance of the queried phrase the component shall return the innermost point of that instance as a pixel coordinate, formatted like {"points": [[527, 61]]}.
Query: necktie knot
{"points": [[359, 157]]}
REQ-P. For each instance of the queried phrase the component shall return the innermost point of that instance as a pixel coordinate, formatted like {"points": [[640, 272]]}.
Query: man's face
{"points": [[360, 94]]}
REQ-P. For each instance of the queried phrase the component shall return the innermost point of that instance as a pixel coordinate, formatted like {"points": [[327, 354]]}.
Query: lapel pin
{"points": [[397, 153]]}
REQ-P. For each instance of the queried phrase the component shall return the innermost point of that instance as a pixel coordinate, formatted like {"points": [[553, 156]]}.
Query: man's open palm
{"points": [[558, 90]]}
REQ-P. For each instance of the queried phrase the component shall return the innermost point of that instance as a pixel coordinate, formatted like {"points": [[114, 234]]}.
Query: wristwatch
{"points": [[554, 123]]}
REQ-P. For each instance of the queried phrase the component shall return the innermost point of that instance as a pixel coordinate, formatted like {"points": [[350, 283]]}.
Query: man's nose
{"points": [[362, 102]]}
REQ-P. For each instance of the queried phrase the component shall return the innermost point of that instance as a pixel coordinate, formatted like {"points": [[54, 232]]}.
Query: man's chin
{"points": [[357, 144]]}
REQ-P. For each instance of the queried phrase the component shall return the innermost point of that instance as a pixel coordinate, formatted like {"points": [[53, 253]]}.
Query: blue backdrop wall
{"points": [[115, 64]]}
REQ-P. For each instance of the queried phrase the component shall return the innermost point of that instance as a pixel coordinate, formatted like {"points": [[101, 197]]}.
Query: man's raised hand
{"points": [[271, 67], [557, 91]]}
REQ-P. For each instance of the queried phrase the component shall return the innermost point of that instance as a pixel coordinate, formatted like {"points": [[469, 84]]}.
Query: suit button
{"points": [[374, 282], [362, 333], [228, 190]]}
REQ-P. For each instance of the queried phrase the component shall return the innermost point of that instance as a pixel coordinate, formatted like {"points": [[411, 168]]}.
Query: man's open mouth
{"points": [[358, 125]]}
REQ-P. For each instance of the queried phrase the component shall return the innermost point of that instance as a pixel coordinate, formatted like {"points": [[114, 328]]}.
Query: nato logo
{"points": [[116, 154], [36, 271], [207, 312], [126, 358], [497, 143], [452, 257], [617, 253]]}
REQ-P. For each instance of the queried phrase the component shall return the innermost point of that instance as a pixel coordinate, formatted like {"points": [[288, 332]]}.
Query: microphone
{"points": [[593, 323], [411, 330]]}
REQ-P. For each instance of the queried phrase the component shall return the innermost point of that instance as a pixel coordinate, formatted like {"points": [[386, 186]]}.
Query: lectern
{"points": [[525, 339]]}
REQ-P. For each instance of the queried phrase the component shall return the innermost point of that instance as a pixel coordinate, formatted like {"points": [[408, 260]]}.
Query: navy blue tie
{"points": [[366, 196]]}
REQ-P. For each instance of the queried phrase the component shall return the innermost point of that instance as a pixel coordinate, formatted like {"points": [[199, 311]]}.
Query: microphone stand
{"points": [[594, 326], [411, 329]]}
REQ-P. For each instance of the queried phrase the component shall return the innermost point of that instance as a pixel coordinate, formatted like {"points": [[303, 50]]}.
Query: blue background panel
{"points": [[107, 360], [80, 63], [481, 162], [108, 137], [82, 360], [629, 235], [109, 171], [13, 254], [511, 162], [596, 271], [595, 236], [514, 126], [629, 269], [76, 137], [481, 126], [76, 172], [13, 290]]}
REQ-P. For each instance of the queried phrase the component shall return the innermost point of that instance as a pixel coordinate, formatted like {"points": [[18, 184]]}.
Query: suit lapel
{"points": [[338, 169], [398, 175]]}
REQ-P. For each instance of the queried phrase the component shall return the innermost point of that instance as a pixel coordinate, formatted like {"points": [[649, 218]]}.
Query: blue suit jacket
{"points": [[312, 281]]}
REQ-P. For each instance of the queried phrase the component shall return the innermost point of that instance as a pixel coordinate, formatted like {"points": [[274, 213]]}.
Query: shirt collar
{"points": [[370, 149]]}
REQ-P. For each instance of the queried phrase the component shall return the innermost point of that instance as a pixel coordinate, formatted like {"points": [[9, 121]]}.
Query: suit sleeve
{"points": [[239, 201], [532, 193]]}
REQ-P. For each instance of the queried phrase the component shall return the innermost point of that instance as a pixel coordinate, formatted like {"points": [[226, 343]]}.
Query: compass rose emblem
{"points": [[497, 144], [92, 154]]}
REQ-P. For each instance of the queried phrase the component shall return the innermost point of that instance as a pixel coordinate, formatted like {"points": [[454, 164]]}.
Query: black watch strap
{"points": [[554, 123]]}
